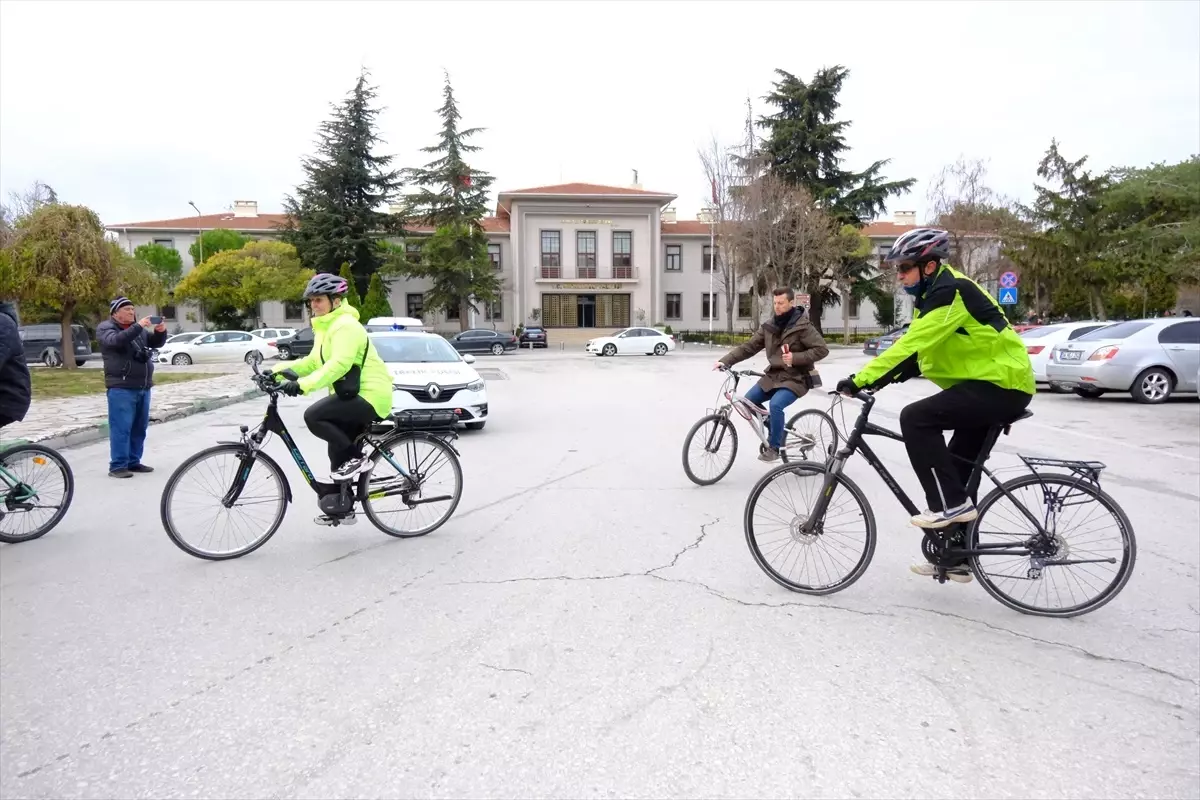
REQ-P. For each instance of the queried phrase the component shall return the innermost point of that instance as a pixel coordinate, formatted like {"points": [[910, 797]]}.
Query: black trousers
{"points": [[969, 409], [339, 422]]}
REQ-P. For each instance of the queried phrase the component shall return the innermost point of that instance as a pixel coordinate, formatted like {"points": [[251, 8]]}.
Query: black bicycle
{"points": [[408, 453], [36, 488], [1017, 569]]}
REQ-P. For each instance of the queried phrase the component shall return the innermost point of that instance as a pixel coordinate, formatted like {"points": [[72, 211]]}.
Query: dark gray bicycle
{"points": [[36, 488], [1054, 542]]}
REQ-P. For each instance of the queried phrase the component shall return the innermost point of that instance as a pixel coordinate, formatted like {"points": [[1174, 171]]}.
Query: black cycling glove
{"points": [[289, 374], [846, 386], [290, 388]]}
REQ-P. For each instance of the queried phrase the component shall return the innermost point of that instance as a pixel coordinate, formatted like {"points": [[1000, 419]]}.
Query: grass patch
{"points": [[50, 383]]}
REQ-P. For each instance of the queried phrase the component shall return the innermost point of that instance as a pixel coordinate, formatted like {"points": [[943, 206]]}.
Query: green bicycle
{"points": [[36, 488]]}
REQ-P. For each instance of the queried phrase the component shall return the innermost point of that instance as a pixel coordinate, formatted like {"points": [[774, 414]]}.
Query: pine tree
{"points": [[452, 199], [376, 304], [352, 296], [335, 216]]}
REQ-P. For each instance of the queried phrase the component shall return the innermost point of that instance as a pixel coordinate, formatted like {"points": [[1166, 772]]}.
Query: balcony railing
{"points": [[551, 273], [587, 273], [622, 273]]}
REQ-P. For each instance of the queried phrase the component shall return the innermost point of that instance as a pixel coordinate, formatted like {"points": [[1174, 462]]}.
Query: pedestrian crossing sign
{"points": [[1008, 296]]}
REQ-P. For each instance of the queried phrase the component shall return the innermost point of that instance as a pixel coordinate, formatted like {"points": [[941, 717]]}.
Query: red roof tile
{"points": [[686, 227], [886, 229], [262, 222], [490, 225], [587, 188]]}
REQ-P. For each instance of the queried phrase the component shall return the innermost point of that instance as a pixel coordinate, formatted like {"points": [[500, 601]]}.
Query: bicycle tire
{"points": [[722, 420], [68, 490], [1113, 589], [826, 418], [365, 479], [864, 505], [169, 490]]}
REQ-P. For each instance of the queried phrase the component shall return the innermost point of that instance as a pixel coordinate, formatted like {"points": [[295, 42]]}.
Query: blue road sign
{"points": [[1008, 297], [1008, 280]]}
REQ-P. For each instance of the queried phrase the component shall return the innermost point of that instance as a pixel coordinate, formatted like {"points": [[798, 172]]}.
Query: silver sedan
{"points": [[1151, 359]]}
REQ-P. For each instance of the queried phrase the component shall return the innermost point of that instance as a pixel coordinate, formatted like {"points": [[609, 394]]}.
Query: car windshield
{"points": [[1122, 330], [414, 349], [1036, 333]]}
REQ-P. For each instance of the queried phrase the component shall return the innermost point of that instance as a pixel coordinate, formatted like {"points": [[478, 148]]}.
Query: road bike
{"points": [[246, 478], [1038, 558], [716, 429], [36, 489]]}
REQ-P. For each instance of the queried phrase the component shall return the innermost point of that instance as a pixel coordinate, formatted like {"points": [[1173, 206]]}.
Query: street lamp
{"points": [[200, 243]]}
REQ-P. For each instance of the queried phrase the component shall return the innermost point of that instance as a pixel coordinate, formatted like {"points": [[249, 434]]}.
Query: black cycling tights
{"points": [[969, 409], [338, 422]]}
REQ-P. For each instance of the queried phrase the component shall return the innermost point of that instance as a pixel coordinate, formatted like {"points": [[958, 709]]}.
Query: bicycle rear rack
{"points": [[1086, 470]]}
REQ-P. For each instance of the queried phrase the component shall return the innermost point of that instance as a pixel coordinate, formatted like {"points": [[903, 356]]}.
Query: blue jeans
{"points": [[780, 399], [128, 418]]}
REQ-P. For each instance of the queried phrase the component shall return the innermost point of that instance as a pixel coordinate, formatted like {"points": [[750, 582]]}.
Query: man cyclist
{"points": [[14, 372], [793, 347], [961, 341], [341, 357]]}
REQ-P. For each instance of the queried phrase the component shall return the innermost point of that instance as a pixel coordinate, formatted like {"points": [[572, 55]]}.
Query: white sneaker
{"points": [[349, 519], [351, 468], [941, 519], [956, 574]]}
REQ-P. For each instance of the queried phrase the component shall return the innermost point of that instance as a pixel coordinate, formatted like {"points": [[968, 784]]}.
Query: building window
{"points": [[166, 243], [415, 303], [707, 312], [706, 263], [495, 311], [853, 307], [744, 305], [674, 306], [293, 311], [551, 254], [674, 257], [413, 251], [168, 312], [494, 255], [622, 254], [585, 254], [453, 313]]}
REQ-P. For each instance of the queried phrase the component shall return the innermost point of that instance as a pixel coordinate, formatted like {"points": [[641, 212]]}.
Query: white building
{"points": [[574, 255]]}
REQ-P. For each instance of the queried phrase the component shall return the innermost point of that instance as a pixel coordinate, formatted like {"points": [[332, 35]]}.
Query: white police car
{"points": [[427, 374]]}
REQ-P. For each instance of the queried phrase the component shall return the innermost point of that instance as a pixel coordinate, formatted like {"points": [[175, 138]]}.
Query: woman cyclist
{"points": [[342, 361]]}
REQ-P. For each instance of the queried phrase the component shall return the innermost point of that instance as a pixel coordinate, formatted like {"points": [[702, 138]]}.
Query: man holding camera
{"points": [[128, 376]]}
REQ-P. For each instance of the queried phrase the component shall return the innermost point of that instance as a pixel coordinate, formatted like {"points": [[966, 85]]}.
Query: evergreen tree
{"points": [[452, 198], [335, 216], [352, 296], [376, 304]]}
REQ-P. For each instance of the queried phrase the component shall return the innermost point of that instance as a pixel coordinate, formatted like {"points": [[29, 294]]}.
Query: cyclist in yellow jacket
{"points": [[961, 341]]}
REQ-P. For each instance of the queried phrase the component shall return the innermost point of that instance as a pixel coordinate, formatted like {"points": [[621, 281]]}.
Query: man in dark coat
{"points": [[793, 348], [14, 372], [128, 376]]}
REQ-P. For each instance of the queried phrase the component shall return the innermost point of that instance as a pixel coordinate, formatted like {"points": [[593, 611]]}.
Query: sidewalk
{"points": [[70, 421]]}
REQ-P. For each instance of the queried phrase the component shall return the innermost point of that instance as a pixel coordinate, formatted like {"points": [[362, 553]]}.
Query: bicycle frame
{"points": [[759, 418], [855, 442], [13, 484]]}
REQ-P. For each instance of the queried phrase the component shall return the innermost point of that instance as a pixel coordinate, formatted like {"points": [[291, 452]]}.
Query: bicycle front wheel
{"points": [[194, 511], [812, 434], [406, 507], [710, 439], [834, 555], [43, 486], [1066, 576]]}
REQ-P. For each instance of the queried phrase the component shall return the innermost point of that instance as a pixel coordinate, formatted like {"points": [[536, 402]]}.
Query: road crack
{"points": [[703, 533], [506, 669]]}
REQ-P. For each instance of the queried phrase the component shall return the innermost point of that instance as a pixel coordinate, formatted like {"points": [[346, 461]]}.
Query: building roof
{"points": [[686, 227], [882, 229], [227, 220], [587, 189]]}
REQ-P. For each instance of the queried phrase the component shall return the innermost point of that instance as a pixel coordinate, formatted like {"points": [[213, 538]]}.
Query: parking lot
{"points": [[590, 623]]}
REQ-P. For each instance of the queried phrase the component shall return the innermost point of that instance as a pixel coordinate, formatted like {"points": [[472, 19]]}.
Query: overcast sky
{"points": [[135, 108]]}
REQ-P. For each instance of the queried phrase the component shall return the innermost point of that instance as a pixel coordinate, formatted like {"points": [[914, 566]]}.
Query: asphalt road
{"points": [[591, 624]]}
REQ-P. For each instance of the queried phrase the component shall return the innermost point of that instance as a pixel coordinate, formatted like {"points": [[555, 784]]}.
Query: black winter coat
{"points": [[14, 372]]}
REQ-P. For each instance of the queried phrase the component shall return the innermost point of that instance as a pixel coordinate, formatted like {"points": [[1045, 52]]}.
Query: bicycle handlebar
{"points": [[264, 379], [862, 395], [740, 372]]}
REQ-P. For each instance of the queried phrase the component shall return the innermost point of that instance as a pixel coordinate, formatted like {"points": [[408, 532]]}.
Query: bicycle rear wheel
{"points": [[1076, 514], [834, 551], [193, 509], [711, 434], [393, 503], [812, 434], [39, 501]]}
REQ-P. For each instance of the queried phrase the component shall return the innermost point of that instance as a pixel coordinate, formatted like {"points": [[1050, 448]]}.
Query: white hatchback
{"points": [[427, 374], [1040, 342], [642, 341], [218, 346]]}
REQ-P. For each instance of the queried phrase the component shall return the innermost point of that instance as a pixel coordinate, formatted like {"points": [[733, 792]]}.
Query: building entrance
{"points": [[585, 310]]}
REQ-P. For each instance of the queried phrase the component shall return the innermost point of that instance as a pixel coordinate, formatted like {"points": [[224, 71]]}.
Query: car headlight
{"points": [[475, 386]]}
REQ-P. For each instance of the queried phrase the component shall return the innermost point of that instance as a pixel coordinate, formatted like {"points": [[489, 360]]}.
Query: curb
{"points": [[98, 431]]}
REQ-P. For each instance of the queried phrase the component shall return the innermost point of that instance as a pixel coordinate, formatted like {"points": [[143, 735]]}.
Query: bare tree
{"points": [[721, 170], [21, 205], [961, 202]]}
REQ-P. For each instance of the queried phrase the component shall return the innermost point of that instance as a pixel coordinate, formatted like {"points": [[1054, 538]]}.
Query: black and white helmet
{"points": [[326, 283], [920, 245]]}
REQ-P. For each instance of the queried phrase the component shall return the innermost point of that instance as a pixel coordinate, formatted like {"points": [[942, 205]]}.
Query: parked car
{"points": [[876, 345], [427, 374], [274, 333], [1041, 339], [642, 341], [483, 340], [1151, 359], [534, 336], [375, 324], [297, 345], [217, 346], [183, 337], [43, 342]]}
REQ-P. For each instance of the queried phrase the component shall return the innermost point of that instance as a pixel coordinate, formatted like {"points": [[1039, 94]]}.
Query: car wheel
{"points": [[285, 353], [181, 360], [609, 350], [475, 426], [1153, 386], [79, 362], [51, 358], [1091, 394], [254, 357], [497, 349], [660, 349]]}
